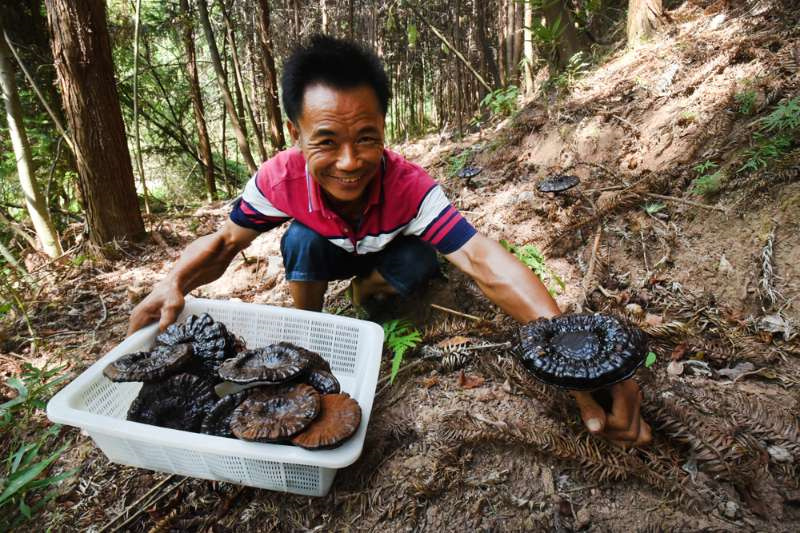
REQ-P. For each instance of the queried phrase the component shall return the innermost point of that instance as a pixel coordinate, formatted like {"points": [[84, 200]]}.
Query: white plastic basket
{"points": [[99, 406]]}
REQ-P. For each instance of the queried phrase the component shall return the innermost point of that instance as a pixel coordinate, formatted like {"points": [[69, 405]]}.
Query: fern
{"points": [[400, 336]]}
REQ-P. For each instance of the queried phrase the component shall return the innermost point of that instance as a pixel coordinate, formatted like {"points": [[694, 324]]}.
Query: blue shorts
{"points": [[405, 263]]}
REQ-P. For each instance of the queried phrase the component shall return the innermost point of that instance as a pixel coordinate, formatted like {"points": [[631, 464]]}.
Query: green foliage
{"points": [[546, 36], [400, 335], [413, 35], [33, 391], [457, 162], [21, 479], [746, 100], [501, 101], [776, 135], [651, 359], [576, 66], [708, 179], [533, 258], [653, 208]]}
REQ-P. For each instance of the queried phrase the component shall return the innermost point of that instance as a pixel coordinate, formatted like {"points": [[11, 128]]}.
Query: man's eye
{"points": [[326, 142]]}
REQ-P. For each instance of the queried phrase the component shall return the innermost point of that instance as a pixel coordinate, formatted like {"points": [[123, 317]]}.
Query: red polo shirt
{"points": [[403, 200]]}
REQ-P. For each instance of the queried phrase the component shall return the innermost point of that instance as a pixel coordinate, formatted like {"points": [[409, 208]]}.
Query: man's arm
{"points": [[203, 261], [519, 292]]}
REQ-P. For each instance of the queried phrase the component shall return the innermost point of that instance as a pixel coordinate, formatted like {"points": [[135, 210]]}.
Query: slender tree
{"points": [[204, 145], [241, 137], [34, 200], [82, 56], [270, 76]]}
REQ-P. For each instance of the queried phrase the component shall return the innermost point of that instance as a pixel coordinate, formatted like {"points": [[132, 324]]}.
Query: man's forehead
{"points": [[320, 97]]}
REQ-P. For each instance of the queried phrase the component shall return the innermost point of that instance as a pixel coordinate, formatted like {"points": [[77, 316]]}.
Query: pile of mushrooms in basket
{"points": [[199, 378]]}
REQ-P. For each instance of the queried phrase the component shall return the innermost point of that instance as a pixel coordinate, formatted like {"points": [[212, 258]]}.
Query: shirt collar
{"points": [[316, 201]]}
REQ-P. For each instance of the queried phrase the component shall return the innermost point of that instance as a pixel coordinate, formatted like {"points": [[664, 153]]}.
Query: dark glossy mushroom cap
{"points": [[149, 366], [315, 360], [324, 382], [339, 418], [558, 183], [469, 172], [272, 416], [210, 340], [218, 419], [180, 402], [582, 352], [275, 363]]}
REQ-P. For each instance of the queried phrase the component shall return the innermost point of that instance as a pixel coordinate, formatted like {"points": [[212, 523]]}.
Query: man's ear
{"points": [[294, 131]]}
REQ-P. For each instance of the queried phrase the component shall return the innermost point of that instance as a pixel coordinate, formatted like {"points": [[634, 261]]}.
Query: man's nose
{"points": [[347, 161]]}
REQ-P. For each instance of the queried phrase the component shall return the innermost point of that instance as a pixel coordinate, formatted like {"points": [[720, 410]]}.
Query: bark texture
{"points": [[643, 19], [82, 56]]}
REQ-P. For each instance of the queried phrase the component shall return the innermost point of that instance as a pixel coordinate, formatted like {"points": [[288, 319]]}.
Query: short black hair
{"points": [[336, 63]]}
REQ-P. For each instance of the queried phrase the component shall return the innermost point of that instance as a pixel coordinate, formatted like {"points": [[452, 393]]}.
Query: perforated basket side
{"points": [[307, 480]]}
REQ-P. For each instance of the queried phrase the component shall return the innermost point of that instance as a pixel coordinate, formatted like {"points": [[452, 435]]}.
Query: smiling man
{"points": [[359, 210]]}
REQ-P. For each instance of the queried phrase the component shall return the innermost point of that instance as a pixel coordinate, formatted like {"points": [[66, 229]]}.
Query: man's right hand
{"points": [[164, 305]]}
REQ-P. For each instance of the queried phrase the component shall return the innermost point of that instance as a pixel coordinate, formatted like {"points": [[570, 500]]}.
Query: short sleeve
{"points": [[254, 211], [439, 223]]}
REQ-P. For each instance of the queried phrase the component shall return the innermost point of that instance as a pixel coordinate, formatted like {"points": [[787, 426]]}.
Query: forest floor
{"points": [[471, 442]]}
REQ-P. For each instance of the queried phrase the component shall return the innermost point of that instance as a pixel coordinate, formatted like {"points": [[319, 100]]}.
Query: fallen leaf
{"points": [[469, 381], [679, 351], [430, 382], [653, 320], [675, 368], [458, 340]]}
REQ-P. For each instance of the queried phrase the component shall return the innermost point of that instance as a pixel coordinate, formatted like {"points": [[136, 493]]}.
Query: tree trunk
{"points": [[241, 89], [270, 77], [643, 19], [137, 137], [527, 55], [34, 200], [489, 64], [518, 37], [502, 14], [571, 41], [241, 138], [204, 146], [82, 55], [324, 12]]}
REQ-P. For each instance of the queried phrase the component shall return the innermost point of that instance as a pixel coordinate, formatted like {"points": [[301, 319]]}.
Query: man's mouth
{"points": [[347, 181]]}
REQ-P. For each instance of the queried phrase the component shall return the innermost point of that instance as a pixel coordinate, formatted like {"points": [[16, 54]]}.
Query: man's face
{"points": [[341, 135]]}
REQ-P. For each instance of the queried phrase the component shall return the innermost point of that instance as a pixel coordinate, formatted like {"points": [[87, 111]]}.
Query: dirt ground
{"points": [[468, 441]]}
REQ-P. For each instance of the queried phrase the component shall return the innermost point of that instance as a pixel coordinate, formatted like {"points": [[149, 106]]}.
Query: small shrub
{"points": [[501, 102], [746, 100], [457, 162], [533, 258], [777, 133], [399, 336], [708, 180]]}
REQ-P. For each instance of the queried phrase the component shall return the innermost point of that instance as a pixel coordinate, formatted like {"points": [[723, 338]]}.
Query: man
{"points": [[361, 210]]}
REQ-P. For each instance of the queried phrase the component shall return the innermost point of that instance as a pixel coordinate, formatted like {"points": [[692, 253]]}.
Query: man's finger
{"points": [[592, 413], [625, 408], [168, 316]]}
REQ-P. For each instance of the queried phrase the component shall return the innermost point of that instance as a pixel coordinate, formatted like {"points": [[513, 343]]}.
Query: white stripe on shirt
{"points": [[253, 196]]}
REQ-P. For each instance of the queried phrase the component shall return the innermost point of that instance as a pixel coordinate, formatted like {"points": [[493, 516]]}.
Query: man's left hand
{"points": [[624, 425]]}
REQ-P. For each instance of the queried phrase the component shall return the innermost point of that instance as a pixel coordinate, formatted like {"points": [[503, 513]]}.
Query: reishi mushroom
{"points": [[180, 402], [275, 363], [581, 352], [218, 419], [558, 183], [339, 418], [210, 340], [267, 416], [324, 382], [149, 366]]}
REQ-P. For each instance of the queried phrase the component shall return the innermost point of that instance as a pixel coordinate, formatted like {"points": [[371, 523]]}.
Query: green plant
{"points": [[653, 208], [21, 475], [746, 100], [399, 336], [501, 101], [533, 258], [777, 133], [651, 359], [33, 391], [457, 162]]}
